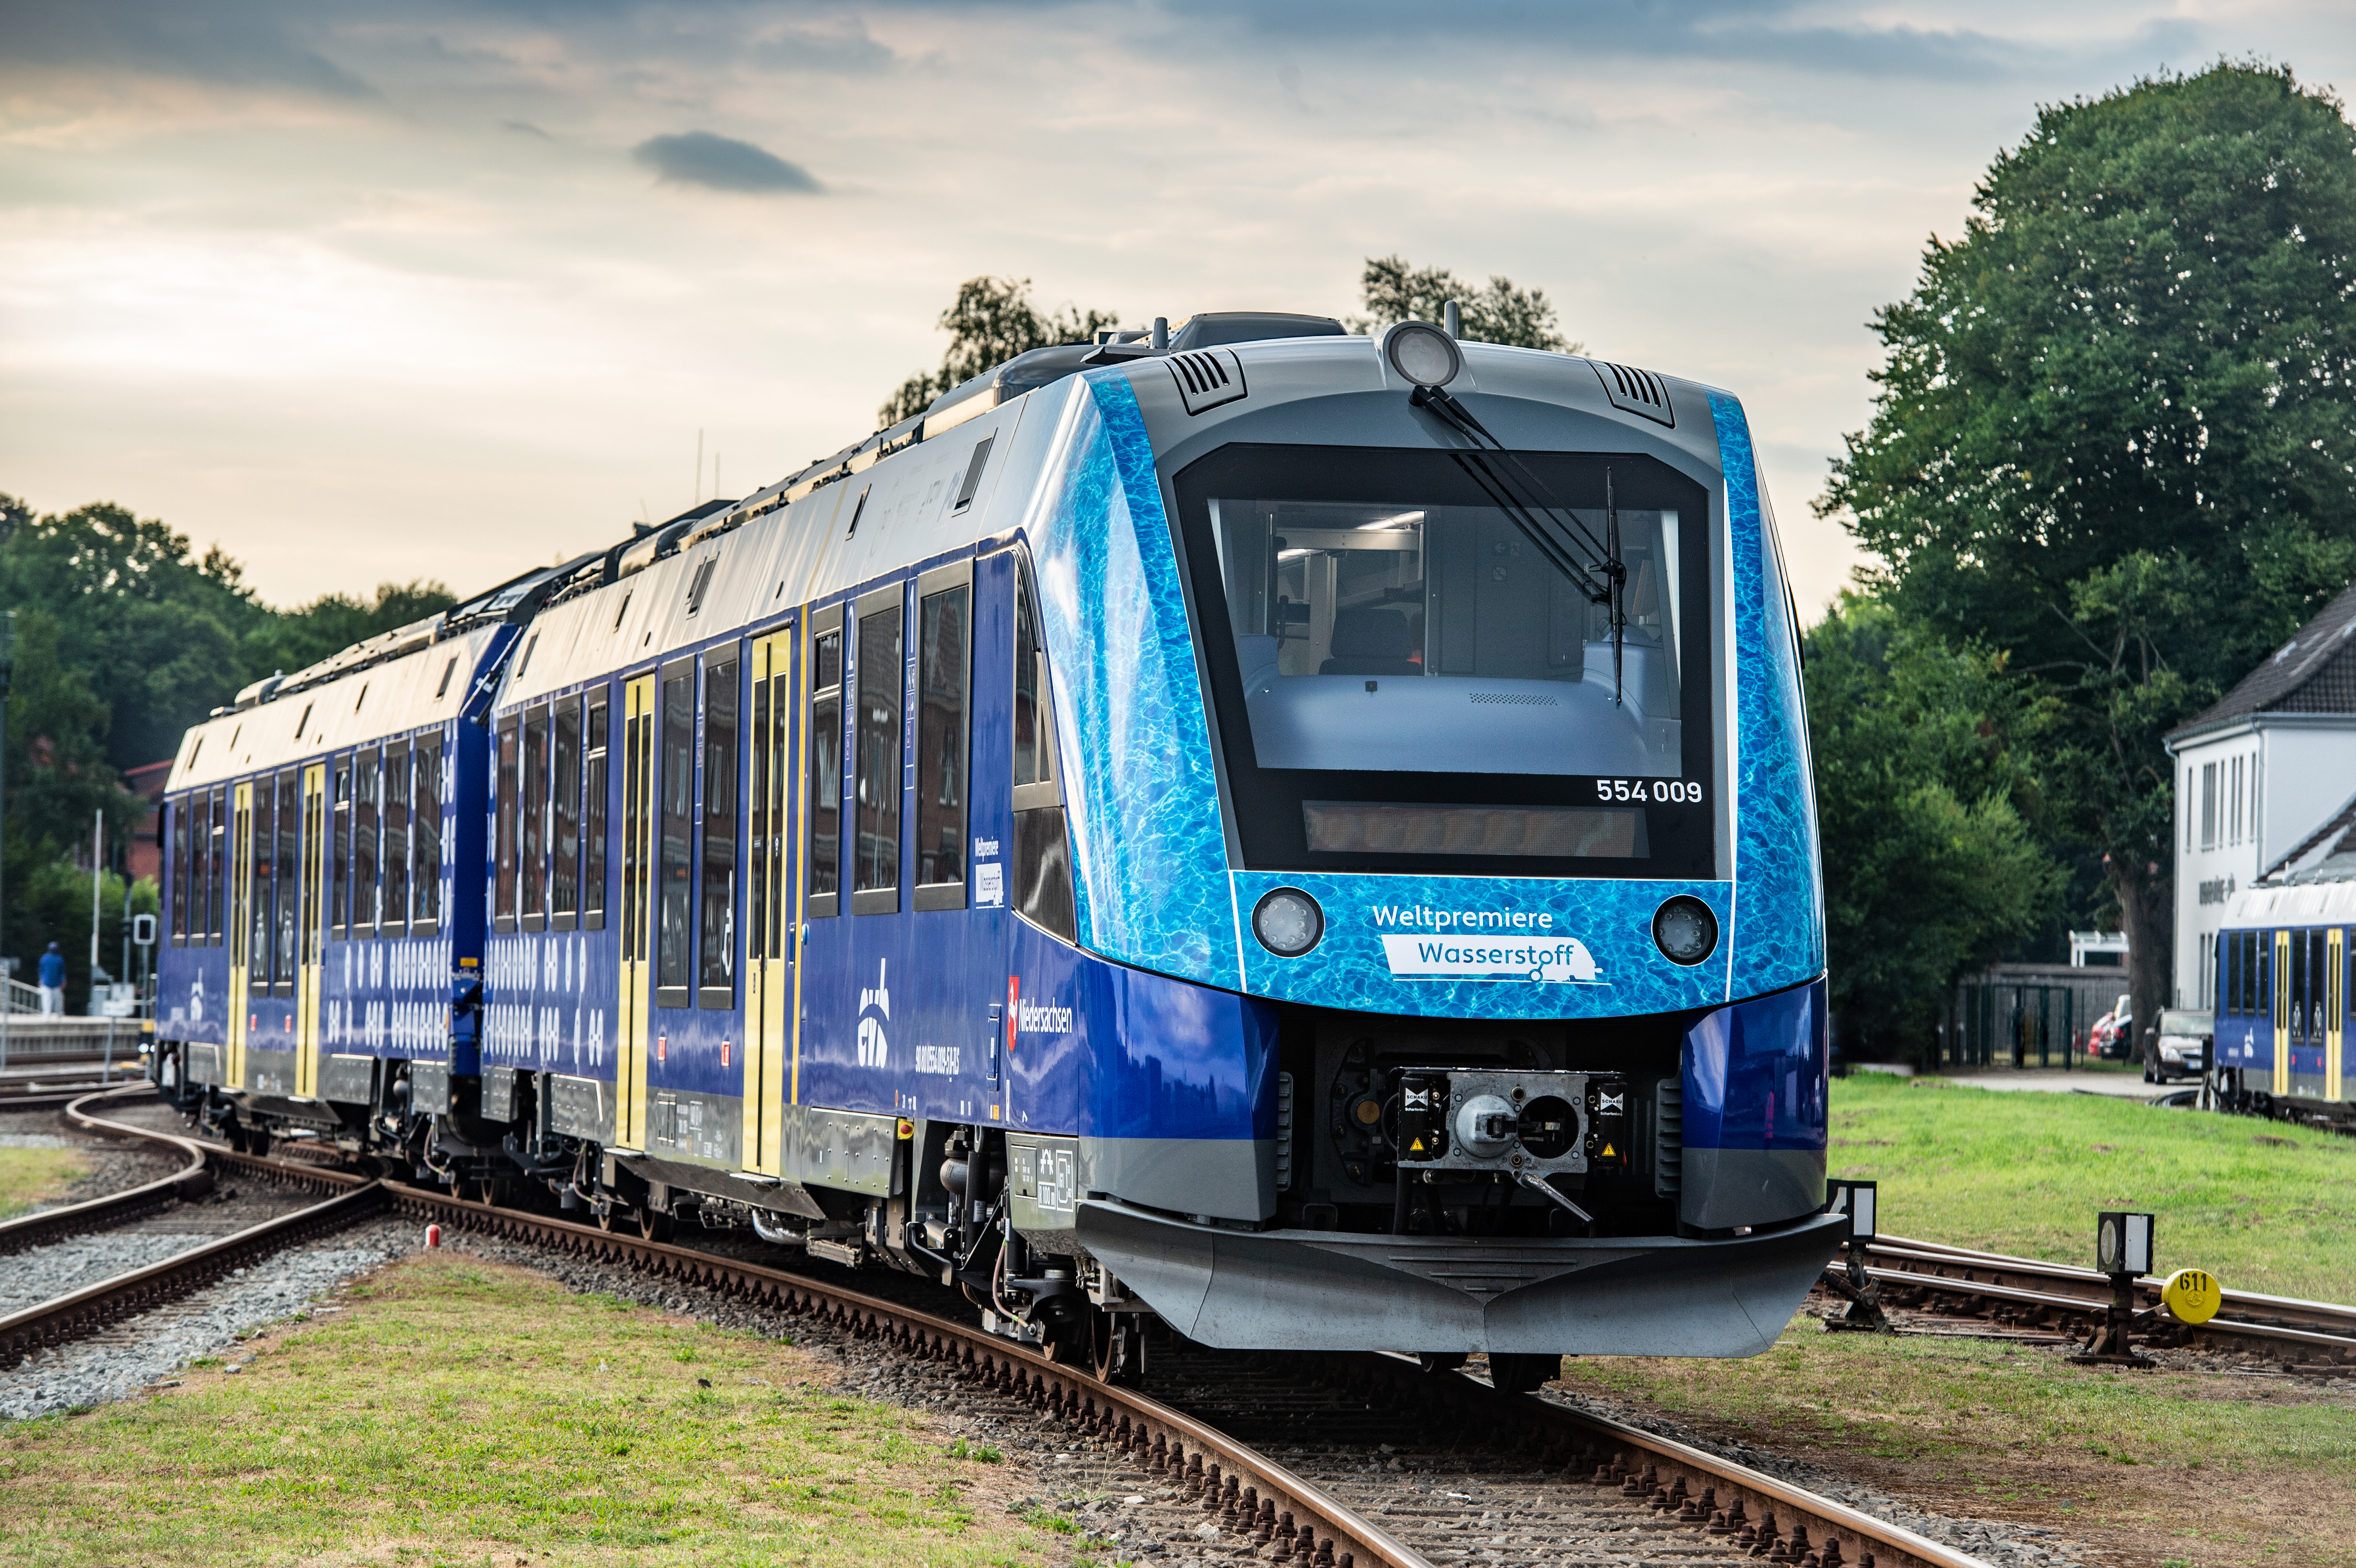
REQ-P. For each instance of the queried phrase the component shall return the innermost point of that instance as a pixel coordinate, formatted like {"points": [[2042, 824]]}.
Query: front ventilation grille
{"points": [[1284, 1132], [1668, 1137], [1207, 378], [1636, 391], [1514, 700]]}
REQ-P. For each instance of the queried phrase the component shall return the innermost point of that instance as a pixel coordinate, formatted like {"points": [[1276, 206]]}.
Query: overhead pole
{"points": [[97, 882], [8, 669]]}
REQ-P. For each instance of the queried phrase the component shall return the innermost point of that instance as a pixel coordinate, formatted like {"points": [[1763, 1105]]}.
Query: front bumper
{"points": [[1325, 1290]]}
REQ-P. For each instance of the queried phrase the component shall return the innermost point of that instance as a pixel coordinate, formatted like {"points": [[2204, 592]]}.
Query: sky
{"points": [[370, 294]]}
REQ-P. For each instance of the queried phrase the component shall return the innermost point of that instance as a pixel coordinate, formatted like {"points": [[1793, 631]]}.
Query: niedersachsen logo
{"points": [[1037, 1018], [1481, 944]]}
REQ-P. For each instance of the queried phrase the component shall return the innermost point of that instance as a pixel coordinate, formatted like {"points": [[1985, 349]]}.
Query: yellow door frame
{"points": [[638, 924], [2281, 1012], [2335, 1003], [240, 930], [768, 984], [310, 964]]}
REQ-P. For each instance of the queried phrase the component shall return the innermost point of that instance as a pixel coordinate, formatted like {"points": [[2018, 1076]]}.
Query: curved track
{"points": [[1588, 1464], [1963, 1281]]}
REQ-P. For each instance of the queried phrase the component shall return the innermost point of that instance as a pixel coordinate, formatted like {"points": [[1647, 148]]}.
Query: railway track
{"points": [[2026, 1293], [1540, 1473]]}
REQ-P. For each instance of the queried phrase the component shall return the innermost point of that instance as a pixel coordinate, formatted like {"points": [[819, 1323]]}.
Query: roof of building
{"points": [[2326, 855], [2315, 672]]}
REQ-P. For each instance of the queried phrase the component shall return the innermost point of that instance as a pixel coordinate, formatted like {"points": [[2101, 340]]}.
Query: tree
{"points": [[991, 322], [334, 622], [2115, 432], [1926, 805], [1498, 312]]}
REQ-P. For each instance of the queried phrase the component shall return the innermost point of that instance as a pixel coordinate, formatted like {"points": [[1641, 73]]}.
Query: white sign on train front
{"points": [[1555, 960]]}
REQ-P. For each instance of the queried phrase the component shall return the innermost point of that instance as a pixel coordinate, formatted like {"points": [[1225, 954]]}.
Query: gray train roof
{"points": [[2301, 904], [791, 543], [394, 697]]}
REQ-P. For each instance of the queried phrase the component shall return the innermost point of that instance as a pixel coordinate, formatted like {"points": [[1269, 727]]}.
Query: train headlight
{"points": [[1422, 353], [1683, 930], [1288, 923]]}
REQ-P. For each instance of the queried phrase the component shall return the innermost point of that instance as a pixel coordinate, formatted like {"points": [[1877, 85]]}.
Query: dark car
{"points": [[2180, 1047]]}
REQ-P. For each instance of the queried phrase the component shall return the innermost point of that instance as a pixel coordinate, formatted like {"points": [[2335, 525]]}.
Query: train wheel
{"points": [[615, 1217], [1512, 1371], [655, 1226], [1117, 1348]]}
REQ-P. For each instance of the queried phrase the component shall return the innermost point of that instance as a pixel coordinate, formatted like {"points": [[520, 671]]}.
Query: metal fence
{"points": [[2013, 1024]]}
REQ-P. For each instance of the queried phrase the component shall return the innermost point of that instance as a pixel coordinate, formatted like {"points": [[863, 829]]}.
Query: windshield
{"points": [[2184, 1023], [1411, 664]]}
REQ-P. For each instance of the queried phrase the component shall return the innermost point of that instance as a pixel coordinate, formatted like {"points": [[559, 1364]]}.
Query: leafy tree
{"points": [[335, 622], [2115, 435], [1498, 312], [991, 321], [1926, 807]]}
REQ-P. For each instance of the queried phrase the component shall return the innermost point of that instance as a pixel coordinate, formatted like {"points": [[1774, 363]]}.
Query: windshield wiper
{"points": [[1603, 582]]}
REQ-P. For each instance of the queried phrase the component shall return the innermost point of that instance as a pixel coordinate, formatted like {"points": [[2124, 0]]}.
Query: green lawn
{"points": [[2172, 1467], [2263, 1205], [462, 1413], [30, 1176]]}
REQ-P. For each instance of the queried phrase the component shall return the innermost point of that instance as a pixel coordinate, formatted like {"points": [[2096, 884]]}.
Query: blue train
{"points": [[1300, 837], [2282, 1004]]}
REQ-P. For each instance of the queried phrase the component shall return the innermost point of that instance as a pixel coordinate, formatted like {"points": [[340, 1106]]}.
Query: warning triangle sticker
{"points": [[1416, 1147], [1609, 1152]]}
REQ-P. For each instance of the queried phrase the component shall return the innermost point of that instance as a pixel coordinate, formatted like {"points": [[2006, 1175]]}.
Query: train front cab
{"points": [[2283, 1000]]}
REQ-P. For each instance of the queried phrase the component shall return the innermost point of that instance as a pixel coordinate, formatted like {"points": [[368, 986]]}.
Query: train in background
{"points": [[1300, 838], [2279, 1046]]}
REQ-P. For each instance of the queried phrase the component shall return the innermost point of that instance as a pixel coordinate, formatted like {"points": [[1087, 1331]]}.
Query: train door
{"points": [[2283, 1005], [241, 932], [2335, 1006], [309, 973], [772, 922], [638, 719]]}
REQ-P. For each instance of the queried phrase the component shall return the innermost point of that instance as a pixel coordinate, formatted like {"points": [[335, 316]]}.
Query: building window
{"points": [[2207, 806]]}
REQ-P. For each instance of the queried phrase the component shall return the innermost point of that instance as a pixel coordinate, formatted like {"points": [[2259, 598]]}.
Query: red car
{"points": [[2112, 1036]]}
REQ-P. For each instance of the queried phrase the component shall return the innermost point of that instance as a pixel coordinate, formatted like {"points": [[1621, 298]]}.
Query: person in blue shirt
{"points": [[53, 981]]}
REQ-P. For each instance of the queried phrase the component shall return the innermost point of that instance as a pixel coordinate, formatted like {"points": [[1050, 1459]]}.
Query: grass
{"points": [[30, 1176], [2264, 1206], [464, 1412], [2190, 1467]]}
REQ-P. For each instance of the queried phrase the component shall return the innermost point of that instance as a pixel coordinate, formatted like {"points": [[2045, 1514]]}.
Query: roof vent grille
{"points": [[1636, 391], [1207, 378]]}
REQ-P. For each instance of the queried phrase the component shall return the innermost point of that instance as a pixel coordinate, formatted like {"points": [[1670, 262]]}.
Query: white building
{"points": [[2265, 782]]}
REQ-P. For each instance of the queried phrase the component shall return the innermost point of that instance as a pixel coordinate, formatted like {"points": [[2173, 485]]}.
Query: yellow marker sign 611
{"points": [[2191, 1295]]}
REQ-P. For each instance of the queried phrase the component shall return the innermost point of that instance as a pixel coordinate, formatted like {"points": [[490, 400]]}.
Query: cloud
{"points": [[838, 51], [525, 128], [244, 43], [722, 163]]}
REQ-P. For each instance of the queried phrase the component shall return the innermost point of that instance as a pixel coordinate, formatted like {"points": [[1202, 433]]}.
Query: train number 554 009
{"points": [[1668, 791]]}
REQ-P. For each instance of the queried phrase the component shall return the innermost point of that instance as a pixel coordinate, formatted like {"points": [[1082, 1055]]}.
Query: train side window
{"points": [[216, 873], [392, 915], [715, 976], [826, 763], [1043, 859], [503, 850], [674, 909], [780, 744], [340, 848], [532, 826], [367, 791], [288, 905], [564, 815], [944, 665], [426, 838], [876, 771], [758, 784], [179, 810], [257, 860], [593, 818]]}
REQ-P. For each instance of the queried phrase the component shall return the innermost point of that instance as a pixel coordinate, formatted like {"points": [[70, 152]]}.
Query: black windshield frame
{"points": [[1267, 802]]}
